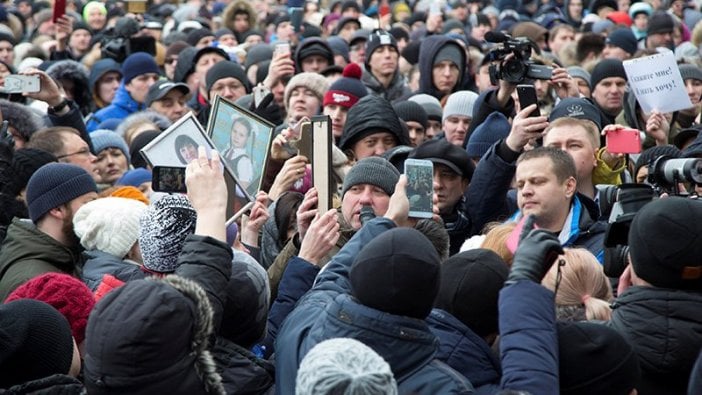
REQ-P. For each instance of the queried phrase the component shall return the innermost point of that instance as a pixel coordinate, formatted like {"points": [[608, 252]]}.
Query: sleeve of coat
{"points": [[207, 261], [486, 104], [73, 119], [528, 339]]}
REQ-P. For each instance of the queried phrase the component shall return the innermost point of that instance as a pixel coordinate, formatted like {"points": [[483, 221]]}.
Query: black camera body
{"points": [[121, 41], [519, 68]]}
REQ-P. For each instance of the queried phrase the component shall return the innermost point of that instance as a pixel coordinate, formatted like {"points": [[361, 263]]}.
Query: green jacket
{"points": [[28, 252]]}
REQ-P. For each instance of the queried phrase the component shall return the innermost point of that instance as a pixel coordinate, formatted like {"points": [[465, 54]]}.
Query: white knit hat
{"points": [[344, 366], [460, 103], [110, 224]]}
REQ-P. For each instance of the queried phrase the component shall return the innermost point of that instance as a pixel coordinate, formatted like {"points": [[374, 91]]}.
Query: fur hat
{"points": [[55, 184], [21, 118], [374, 171], [163, 230], [103, 139], [79, 75], [67, 294], [344, 365], [312, 81], [109, 224]]}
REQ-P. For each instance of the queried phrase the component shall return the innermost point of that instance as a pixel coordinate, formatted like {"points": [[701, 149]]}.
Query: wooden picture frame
{"points": [[178, 145], [246, 155]]}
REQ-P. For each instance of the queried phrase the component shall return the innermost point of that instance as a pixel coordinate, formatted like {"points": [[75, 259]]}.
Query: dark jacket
{"points": [[398, 86], [28, 252], [427, 52], [459, 227], [122, 106], [486, 104], [243, 372], [664, 326], [466, 352], [58, 384], [73, 119], [328, 311], [98, 263]]}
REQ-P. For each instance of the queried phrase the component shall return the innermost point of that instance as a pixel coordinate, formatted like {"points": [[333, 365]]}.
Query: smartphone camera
{"points": [[168, 179]]}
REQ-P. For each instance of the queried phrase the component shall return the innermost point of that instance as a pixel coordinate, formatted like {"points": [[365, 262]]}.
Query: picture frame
{"points": [[322, 141], [245, 154], [178, 145]]}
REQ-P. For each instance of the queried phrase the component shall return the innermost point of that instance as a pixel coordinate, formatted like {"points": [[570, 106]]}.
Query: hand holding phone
{"points": [[168, 179], [527, 97], [59, 10], [420, 187], [623, 141], [282, 47]]}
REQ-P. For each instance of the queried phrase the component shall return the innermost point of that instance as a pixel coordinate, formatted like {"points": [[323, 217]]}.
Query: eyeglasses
{"points": [[85, 151]]}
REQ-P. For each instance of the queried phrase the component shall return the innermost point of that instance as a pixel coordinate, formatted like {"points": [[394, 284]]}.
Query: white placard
{"points": [[657, 84]]}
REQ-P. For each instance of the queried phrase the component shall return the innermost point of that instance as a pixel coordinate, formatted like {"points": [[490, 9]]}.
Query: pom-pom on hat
{"points": [[348, 89]]}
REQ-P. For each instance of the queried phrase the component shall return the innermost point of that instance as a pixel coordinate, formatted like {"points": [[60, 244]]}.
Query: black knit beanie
{"points": [[226, 69], [605, 69]]}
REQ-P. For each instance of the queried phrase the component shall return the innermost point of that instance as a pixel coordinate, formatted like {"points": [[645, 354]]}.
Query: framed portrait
{"points": [[178, 145], [244, 141]]}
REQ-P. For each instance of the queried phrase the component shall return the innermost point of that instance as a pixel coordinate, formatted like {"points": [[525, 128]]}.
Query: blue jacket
{"points": [[99, 263], [122, 106], [328, 311], [466, 352]]}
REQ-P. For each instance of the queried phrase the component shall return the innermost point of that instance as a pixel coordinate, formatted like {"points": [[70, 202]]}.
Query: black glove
{"points": [[537, 251], [268, 110]]}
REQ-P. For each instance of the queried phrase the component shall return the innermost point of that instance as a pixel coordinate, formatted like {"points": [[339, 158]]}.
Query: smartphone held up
{"points": [[420, 187]]}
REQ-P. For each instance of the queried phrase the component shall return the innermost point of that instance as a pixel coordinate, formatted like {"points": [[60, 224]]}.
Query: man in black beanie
{"points": [[226, 79], [415, 118], [660, 31], [382, 74], [608, 81]]}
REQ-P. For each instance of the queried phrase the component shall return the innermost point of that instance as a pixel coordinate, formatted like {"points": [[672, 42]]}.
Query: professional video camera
{"points": [[665, 173], [518, 68], [120, 41]]}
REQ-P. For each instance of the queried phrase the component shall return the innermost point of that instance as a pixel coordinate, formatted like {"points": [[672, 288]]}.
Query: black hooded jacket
{"points": [[307, 43], [427, 52], [371, 114]]}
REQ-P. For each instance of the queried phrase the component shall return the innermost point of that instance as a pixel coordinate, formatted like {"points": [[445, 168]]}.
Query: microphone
{"points": [[367, 214], [496, 37]]}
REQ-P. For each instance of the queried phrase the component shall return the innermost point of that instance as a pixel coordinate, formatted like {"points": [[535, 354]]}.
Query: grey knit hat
{"points": [[579, 72], [103, 139], [431, 105], [374, 171], [163, 230], [55, 184], [690, 72], [460, 103], [344, 365]]}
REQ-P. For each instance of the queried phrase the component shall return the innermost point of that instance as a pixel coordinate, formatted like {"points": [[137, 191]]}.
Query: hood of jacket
{"points": [[664, 327], [306, 43], [233, 8], [427, 52], [368, 115], [242, 372]]}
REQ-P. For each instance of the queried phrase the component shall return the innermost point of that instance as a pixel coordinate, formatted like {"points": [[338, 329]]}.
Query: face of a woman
{"points": [[111, 165], [107, 86], [96, 20], [188, 152]]}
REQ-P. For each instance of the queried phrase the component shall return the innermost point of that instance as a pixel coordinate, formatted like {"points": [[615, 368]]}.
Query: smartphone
{"points": [[168, 179], [304, 144], [513, 240], [15, 83], [282, 47], [420, 187], [527, 97], [624, 141], [59, 10], [296, 14]]}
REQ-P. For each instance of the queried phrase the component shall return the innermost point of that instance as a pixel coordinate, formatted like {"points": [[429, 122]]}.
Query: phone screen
{"points": [[420, 187], [168, 179], [59, 10]]}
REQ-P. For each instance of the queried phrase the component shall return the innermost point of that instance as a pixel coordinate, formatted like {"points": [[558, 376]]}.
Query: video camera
{"points": [[120, 41], [518, 68]]}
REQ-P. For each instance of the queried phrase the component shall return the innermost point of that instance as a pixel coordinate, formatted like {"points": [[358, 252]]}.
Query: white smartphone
{"points": [[15, 83], [420, 187], [282, 47]]}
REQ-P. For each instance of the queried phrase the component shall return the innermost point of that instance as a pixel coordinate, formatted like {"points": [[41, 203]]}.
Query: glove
{"points": [[537, 251], [268, 110]]}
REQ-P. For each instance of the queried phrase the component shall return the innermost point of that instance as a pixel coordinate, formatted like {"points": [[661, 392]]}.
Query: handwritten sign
{"points": [[657, 84]]}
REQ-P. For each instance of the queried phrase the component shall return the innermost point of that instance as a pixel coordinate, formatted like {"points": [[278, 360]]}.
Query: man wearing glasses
{"points": [[66, 145]]}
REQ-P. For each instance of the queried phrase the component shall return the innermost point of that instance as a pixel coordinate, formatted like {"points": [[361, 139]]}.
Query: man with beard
{"points": [[47, 243]]}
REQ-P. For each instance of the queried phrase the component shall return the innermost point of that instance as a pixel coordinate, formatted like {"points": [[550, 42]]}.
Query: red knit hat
{"points": [[348, 89], [70, 296]]}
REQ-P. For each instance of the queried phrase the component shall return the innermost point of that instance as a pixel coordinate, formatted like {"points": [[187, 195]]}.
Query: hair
{"points": [[563, 165], [583, 285], [246, 123], [183, 141], [130, 124], [285, 213], [556, 29], [496, 240], [696, 35], [45, 139], [589, 43], [593, 133], [437, 234]]}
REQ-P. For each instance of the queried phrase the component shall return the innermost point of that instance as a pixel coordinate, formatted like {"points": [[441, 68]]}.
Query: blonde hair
{"points": [[496, 240], [583, 284]]}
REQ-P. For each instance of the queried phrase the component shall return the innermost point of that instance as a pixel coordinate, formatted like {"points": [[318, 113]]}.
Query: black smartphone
{"points": [[296, 14], [168, 179], [527, 97]]}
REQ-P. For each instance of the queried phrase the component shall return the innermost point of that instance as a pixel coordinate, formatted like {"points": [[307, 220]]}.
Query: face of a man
{"points": [[111, 165], [659, 40], [575, 9], [613, 52], [694, 90], [107, 86], [539, 193], [228, 87], [482, 78], [445, 76], [583, 87], [563, 37], [433, 128], [337, 114], [609, 94], [575, 141], [348, 30], [314, 63], [172, 105], [363, 195], [203, 65], [77, 152], [357, 52], [241, 22], [373, 145], [384, 61], [80, 40], [449, 187], [417, 133], [455, 128], [139, 86], [7, 52], [284, 31]]}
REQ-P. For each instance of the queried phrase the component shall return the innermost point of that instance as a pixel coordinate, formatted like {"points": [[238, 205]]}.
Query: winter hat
{"points": [[55, 184], [398, 272], [623, 38], [226, 69], [374, 171], [339, 46], [579, 72], [185, 65], [245, 312], [576, 107], [93, 4], [109, 224], [640, 7], [372, 114], [25, 162], [343, 21], [135, 177], [411, 111], [195, 35], [665, 243], [176, 48], [257, 54], [690, 71], [470, 285], [163, 230], [312, 81], [67, 294], [102, 67], [595, 359], [452, 52], [344, 365], [620, 18], [21, 118], [660, 22], [164, 350], [137, 64], [605, 69], [103, 139], [460, 103], [440, 151], [495, 128], [129, 192], [530, 30], [653, 153], [139, 142], [430, 104], [377, 39], [348, 89], [36, 342], [313, 46]]}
